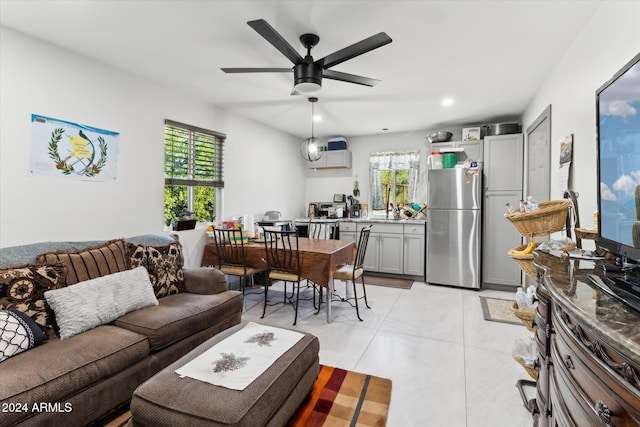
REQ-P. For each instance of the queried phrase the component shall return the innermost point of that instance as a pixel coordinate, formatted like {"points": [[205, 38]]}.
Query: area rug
{"points": [[339, 398], [498, 310], [391, 282], [345, 398]]}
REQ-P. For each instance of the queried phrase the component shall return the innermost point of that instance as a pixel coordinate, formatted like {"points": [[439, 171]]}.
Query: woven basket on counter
{"points": [[525, 316], [550, 217], [530, 369]]}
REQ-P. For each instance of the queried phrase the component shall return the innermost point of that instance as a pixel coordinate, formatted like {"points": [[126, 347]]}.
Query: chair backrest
{"points": [[229, 247], [321, 230], [282, 250], [362, 247]]}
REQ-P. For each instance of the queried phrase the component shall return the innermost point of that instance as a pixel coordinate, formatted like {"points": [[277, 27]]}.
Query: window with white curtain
{"points": [[393, 180]]}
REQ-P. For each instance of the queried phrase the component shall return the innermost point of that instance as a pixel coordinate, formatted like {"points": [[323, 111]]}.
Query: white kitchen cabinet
{"points": [[332, 159], [348, 231], [414, 250], [394, 248], [503, 162], [503, 180], [385, 248]]}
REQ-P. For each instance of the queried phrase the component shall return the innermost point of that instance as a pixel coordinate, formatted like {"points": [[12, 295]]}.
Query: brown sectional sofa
{"points": [[77, 380]]}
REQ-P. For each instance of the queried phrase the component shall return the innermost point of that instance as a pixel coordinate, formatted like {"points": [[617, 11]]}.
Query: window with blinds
{"points": [[193, 169]]}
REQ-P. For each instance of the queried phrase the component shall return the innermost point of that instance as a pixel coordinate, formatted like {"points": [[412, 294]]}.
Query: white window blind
{"points": [[193, 156]]}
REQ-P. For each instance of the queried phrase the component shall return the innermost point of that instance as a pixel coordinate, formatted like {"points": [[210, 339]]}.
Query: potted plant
{"points": [[184, 220]]}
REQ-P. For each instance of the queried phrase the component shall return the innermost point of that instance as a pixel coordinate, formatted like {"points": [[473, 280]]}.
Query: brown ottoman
{"points": [[166, 399]]}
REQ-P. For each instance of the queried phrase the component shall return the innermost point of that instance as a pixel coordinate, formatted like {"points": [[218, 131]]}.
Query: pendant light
{"points": [[310, 146]]}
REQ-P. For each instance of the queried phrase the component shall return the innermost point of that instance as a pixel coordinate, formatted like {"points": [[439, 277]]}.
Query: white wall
{"points": [[607, 43], [263, 169], [321, 184]]}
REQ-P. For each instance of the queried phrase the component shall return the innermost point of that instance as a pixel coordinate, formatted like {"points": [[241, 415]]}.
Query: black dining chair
{"points": [[351, 272], [231, 256], [283, 263]]}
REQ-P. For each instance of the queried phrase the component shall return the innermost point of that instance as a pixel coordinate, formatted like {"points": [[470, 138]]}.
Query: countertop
{"points": [[385, 220], [611, 321]]}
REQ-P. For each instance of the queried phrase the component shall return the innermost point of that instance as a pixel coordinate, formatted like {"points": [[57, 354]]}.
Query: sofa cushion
{"points": [[179, 316], [89, 263], [163, 263], [99, 301], [23, 287], [56, 370], [18, 333]]}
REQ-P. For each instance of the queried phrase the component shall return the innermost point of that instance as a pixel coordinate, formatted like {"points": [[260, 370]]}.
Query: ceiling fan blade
{"points": [[354, 50], [257, 70], [349, 78], [271, 35]]}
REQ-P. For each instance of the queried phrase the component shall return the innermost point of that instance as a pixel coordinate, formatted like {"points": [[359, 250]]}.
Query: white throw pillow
{"points": [[99, 301]]}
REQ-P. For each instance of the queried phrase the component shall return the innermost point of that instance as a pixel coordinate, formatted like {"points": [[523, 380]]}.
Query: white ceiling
{"points": [[490, 57]]}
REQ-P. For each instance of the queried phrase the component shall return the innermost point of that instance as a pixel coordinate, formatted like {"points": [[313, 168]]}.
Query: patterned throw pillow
{"points": [[163, 263], [23, 288], [90, 263], [18, 333]]}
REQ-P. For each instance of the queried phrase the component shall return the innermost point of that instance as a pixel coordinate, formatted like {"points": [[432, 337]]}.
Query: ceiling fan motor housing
{"points": [[307, 73]]}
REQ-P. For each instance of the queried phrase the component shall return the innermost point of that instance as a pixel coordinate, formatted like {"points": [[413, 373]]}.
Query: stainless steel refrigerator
{"points": [[454, 222]]}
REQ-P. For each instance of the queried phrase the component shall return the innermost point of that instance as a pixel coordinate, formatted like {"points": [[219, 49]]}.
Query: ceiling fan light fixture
{"points": [[307, 78], [309, 149], [307, 87]]}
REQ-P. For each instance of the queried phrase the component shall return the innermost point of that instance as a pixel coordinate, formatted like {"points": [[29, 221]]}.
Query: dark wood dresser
{"points": [[588, 349]]}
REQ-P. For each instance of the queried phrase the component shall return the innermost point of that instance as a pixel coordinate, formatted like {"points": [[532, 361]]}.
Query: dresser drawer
{"points": [[596, 386]]}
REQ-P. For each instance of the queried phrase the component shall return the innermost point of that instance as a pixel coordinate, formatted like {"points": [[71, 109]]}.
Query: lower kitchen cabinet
{"points": [[393, 248], [414, 250], [499, 236]]}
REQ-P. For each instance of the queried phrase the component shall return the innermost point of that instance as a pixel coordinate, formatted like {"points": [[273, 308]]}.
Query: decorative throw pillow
{"points": [[89, 263], [23, 288], [99, 301], [18, 333], [164, 265]]}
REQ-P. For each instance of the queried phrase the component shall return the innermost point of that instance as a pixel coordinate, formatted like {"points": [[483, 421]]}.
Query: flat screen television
{"points": [[618, 167]]}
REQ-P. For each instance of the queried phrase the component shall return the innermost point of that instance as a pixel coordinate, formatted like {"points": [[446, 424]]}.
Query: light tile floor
{"points": [[448, 365]]}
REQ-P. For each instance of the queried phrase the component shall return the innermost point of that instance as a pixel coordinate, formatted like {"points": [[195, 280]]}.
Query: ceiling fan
{"points": [[308, 73]]}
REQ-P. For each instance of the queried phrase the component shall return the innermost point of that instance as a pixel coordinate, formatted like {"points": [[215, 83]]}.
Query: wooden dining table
{"points": [[319, 259]]}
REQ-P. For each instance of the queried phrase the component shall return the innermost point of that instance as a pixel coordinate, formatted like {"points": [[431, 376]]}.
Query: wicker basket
{"points": [[524, 261], [530, 369], [583, 233], [525, 316], [549, 218]]}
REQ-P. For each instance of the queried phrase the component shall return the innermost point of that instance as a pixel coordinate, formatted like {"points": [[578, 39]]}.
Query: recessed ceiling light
{"points": [[385, 129], [447, 102]]}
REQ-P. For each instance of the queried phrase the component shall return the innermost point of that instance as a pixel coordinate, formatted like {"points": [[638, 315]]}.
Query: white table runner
{"points": [[242, 357]]}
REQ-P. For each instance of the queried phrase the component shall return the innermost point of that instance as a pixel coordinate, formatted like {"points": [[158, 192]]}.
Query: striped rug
{"points": [[345, 398]]}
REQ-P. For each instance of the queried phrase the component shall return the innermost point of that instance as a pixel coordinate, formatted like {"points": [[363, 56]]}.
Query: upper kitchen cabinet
{"points": [[503, 162], [332, 159]]}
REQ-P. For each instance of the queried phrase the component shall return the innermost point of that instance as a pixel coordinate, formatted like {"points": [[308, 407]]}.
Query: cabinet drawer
{"points": [[594, 382], [386, 228], [348, 226], [414, 229]]}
